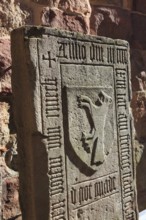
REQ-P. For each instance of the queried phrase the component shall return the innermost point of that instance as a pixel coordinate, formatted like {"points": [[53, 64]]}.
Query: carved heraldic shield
{"points": [[87, 113]]}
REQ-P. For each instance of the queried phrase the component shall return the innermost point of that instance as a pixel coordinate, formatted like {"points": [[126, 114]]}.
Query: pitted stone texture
{"points": [[4, 129], [110, 22], [141, 181], [58, 19], [138, 105], [69, 6], [12, 16], [11, 155], [120, 3], [138, 69], [10, 203], [139, 149], [8, 142], [74, 125], [68, 15], [5, 66], [106, 2], [81, 7]]}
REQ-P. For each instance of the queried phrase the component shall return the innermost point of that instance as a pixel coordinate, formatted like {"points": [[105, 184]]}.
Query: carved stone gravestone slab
{"points": [[74, 126]]}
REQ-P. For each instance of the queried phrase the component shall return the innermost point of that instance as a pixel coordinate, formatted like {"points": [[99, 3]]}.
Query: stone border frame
{"points": [[116, 57]]}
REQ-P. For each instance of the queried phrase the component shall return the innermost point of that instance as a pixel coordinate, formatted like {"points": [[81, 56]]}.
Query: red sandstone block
{"points": [[5, 66], [111, 22], [10, 204]]}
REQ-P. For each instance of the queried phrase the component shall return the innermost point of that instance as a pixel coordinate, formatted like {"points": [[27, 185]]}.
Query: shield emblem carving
{"points": [[89, 116]]}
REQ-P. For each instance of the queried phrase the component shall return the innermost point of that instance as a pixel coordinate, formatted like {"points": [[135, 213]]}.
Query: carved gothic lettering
{"points": [[128, 190], [124, 139], [104, 187], [50, 90], [73, 196], [77, 51], [110, 55], [96, 53], [121, 56], [120, 79], [54, 137], [56, 176], [58, 211], [62, 50], [85, 193], [121, 101], [130, 215]]}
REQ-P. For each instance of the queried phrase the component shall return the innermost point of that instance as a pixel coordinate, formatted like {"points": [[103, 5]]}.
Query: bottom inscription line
{"points": [[96, 200]]}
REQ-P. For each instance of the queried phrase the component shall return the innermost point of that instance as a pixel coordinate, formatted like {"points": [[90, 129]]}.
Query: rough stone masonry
{"points": [[74, 126]]}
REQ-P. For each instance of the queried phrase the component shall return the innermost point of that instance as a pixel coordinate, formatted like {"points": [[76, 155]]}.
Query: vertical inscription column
{"points": [[51, 97], [124, 136], [53, 131]]}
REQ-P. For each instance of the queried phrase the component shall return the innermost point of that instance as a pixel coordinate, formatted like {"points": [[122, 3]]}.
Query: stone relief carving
{"points": [[90, 125], [63, 165], [93, 141]]}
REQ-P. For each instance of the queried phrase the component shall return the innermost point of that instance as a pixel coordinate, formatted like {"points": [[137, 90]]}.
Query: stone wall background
{"points": [[124, 19]]}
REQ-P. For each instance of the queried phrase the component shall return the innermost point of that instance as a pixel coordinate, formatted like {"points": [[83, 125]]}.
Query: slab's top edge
{"points": [[40, 31]]}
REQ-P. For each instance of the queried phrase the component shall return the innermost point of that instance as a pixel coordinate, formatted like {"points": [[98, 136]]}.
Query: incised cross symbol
{"points": [[49, 58]]}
